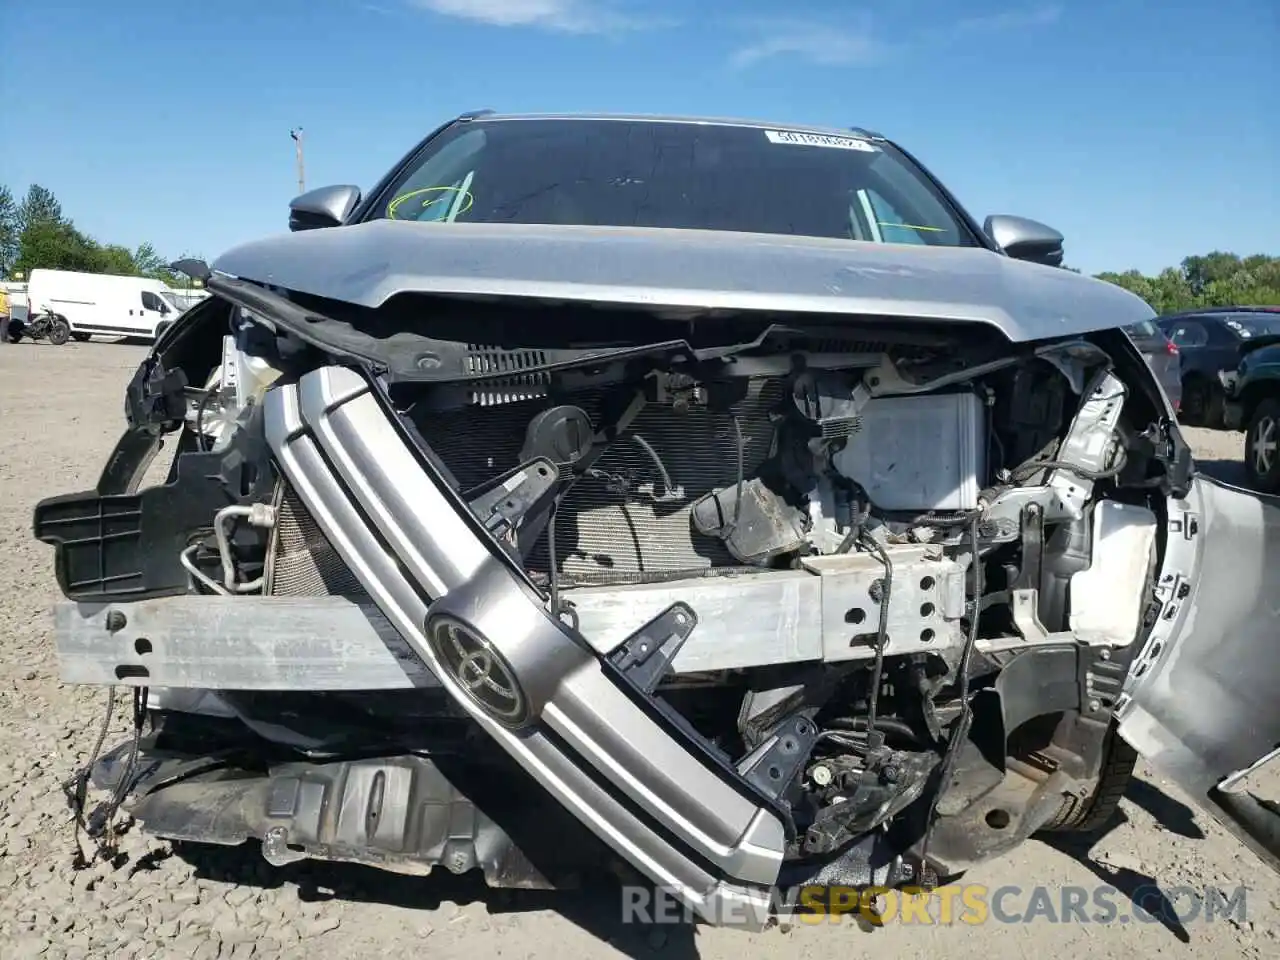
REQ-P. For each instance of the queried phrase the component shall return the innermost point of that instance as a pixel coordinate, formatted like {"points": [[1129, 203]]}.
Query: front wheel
{"points": [[1262, 447], [1203, 403], [1090, 813], [1195, 401], [59, 331]]}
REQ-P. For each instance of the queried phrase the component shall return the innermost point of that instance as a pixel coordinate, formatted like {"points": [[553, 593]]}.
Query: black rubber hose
{"points": [[961, 728], [199, 426], [1122, 458], [883, 724], [737, 503], [668, 488]]}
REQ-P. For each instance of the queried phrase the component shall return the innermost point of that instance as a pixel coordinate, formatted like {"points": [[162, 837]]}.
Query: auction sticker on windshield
{"points": [[820, 140]]}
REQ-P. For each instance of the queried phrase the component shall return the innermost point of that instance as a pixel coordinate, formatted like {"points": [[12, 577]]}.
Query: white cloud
{"points": [[829, 44], [1040, 16], [562, 16], [819, 43]]}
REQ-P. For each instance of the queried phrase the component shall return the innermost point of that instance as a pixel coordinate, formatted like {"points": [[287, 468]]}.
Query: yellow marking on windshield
{"points": [[447, 195], [911, 226]]}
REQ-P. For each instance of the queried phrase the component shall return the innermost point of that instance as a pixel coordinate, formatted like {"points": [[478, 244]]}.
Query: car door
{"points": [[1161, 355], [153, 310], [1202, 699], [1223, 350], [1189, 336]]}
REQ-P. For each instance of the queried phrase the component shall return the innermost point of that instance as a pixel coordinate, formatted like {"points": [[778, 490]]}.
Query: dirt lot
{"points": [[60, 412]]}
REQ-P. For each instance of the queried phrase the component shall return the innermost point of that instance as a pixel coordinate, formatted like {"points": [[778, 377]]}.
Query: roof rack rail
{"points": [[869, 134], [476, 114]]}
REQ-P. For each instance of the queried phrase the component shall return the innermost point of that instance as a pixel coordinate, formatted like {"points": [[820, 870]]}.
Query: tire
{"points": [[1215, 411], [80, 337], [1262, 447], [1195, 402], [1087, 814], [59, 331]]}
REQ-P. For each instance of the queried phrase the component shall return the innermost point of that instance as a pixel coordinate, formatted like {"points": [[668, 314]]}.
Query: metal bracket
{"points": [[1101, 680], [1028, 577], [1187, 525], [645, 657], [773, 766], [1026, 615], [155, 400], [1090, 439], [502, 503]]}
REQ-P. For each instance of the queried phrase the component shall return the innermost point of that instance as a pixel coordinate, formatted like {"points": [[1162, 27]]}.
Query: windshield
{"points": [[172, 301], [642, 173]]}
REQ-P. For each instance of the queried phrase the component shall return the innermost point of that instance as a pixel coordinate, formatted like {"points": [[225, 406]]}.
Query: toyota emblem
{"points": [[479, 670]]}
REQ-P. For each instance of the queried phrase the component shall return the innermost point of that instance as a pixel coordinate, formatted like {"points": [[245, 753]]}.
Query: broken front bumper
{"points": [[600, 745]]}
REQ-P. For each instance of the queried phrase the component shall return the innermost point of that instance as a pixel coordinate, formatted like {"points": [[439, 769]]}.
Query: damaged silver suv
{"points": [[715, 496]]}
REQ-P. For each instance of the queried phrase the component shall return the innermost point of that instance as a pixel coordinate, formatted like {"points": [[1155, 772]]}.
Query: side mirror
{"points": [[1025, 239], [323, 207]]}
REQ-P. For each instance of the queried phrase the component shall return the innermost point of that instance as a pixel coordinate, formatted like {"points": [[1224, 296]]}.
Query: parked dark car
{"points": [[1210, 343], [1252, 393], [1161, 355]]}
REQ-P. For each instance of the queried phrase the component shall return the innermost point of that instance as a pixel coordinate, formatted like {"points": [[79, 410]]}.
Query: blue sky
{"points": [[1144, 130]]}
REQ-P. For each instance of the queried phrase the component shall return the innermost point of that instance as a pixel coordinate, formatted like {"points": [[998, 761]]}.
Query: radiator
{"points": [[301, 560], [602, 535]]}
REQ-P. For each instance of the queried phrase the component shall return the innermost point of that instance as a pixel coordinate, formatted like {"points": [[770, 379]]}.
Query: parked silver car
{"points": [[711, 495], [1162, 355]]}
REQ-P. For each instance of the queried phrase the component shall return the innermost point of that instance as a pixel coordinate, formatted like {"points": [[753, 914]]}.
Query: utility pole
{"points": [[296, 134]]}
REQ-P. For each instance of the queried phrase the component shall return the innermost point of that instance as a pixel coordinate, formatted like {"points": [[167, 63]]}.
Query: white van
{"points": [[187, 298], [102, 304]]}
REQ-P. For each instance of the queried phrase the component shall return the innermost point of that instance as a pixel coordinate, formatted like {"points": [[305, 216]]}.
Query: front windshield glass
{"points": [[701, 176], [172, 301]]}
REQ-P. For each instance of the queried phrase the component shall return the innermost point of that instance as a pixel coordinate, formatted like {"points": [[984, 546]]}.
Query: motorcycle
{"points": [[45, 325]]}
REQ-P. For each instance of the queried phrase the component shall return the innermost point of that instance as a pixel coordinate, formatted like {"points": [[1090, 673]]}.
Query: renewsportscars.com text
{"points": [[970, 904]]}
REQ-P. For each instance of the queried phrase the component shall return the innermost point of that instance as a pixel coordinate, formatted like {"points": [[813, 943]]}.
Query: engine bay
{"points": [[870, 531]]}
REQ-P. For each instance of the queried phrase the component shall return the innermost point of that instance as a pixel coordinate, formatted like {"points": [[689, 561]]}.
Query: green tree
{"points": [[57, 245], [150, 263], [1210, 268], [38, 206], [1216, 279], [117, 260], [10, 231]]}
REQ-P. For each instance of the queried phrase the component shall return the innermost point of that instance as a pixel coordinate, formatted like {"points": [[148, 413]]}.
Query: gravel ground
{"points": [[60, 412]]}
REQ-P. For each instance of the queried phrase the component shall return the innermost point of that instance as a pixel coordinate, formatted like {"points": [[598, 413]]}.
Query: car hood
{"points": [[367, 264], [1269, 342]]}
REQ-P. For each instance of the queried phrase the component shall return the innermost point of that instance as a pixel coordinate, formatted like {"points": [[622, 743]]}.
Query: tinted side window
{"points": [[150, 301], [1142, 330], [1189, 335]]}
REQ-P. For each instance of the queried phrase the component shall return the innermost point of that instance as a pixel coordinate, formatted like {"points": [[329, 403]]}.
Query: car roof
{"points": [[675, 118], [1212, 313]]}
